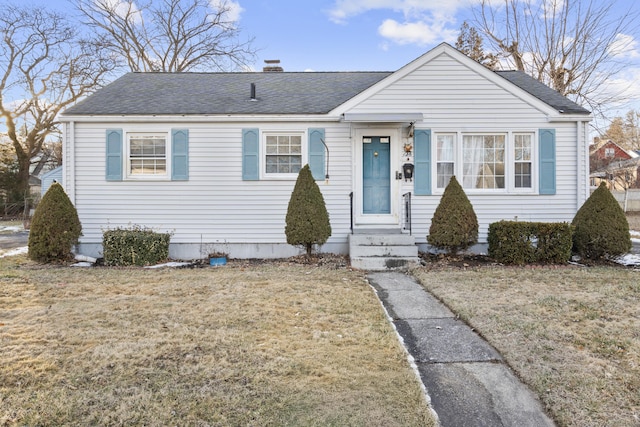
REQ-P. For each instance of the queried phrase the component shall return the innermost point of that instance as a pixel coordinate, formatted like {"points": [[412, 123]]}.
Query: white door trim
{"points": [[393, 218]]}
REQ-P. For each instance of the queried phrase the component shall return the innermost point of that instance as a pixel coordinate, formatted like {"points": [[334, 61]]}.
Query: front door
{"points": [[376, 177]]}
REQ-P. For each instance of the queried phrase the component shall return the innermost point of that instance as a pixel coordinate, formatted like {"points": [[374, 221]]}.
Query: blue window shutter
{"points": [[317, 154], [114, 155], [250, 155], [547, 150], [179, 154], [422, 157]]}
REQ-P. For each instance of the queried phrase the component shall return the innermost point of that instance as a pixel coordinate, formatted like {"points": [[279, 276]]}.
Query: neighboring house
{"points": [[618, 167], [213, 157], [54, 175]]}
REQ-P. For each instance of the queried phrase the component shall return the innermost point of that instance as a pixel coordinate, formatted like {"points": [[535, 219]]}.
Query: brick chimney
{"points": [[272, 66]]}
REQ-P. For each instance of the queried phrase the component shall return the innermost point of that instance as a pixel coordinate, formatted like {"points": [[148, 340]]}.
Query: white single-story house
{"points": [[213, 157]]}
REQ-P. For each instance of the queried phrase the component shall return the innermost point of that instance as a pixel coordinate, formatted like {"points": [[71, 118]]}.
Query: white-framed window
{"points": [[522, 150], [445, 159], [147, 155], [609, 152], [485, 161], [283, 153]]}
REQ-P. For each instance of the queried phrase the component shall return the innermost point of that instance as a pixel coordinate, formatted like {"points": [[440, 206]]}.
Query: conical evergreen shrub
{"points": [[307, 221], [454, 225], [55, 227], [600, 226]]}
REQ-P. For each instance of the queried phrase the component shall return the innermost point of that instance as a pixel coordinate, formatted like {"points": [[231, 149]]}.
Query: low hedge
{"points": [[513, 242], [134, 246]]}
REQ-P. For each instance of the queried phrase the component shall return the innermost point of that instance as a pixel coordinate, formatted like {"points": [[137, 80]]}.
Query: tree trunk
{"points": [[22, 186]]}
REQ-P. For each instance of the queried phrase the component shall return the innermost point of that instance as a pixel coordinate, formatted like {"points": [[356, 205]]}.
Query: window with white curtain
{"points": [[445, 145], [522, 160], [496, 161], [483, 161]]}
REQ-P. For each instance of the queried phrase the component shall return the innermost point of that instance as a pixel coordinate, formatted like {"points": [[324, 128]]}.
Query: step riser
{"points": [[379, 252], [383, 251], [377, 240], [380, 264]]}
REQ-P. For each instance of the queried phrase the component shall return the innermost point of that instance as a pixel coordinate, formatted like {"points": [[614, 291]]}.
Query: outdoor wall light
{"points": [[407, 170]]}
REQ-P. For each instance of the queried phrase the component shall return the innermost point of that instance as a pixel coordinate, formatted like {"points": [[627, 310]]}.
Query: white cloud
{"points": [[424, 22], [233, 9], [625, 47], [124, 9], [419, 32]]}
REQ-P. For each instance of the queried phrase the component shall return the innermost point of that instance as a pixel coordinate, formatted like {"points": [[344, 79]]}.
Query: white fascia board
{"points": [[570, 118], [383, 117], [200, 118]]}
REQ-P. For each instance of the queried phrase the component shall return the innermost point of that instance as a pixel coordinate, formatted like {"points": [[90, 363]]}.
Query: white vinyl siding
{"points": [[215, 204]]}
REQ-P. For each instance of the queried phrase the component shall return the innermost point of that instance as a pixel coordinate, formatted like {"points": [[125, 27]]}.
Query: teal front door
{"points": [[376, 178]]}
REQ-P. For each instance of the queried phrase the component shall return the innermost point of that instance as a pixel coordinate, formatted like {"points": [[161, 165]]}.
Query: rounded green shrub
{"points": [[600, 227], [55, 227], [307, 221], [454, 225]]}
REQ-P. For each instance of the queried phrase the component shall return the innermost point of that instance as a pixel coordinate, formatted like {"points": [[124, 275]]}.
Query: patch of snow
{"points": [[82, 264], [11, 228], [14, 252], [628, 260], [170, 264], [85, 258]]}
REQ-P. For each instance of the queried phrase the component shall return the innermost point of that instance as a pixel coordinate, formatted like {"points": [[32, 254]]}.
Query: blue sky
{"points": [[365, 35]]}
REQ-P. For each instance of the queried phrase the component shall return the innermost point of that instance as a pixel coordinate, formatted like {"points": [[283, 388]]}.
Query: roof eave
{"points": [[199, 118]]}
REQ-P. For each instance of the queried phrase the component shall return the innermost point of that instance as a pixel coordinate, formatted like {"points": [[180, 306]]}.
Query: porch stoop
{"points": [[379, 250]]}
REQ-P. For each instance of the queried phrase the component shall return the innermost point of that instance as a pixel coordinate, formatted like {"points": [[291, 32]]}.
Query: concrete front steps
{"points": [[379, 250]]}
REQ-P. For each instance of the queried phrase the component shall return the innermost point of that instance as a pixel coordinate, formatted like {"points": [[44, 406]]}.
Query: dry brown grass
{"points": [[248, 344], [571, 333]]}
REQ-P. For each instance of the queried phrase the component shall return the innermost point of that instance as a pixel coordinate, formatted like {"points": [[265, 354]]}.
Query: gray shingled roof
{"points": [[276, 93], [543, 92], [226, 93]]}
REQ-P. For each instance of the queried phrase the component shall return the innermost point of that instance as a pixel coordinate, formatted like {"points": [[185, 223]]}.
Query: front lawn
{"points": [[248, 344], [571, 333]]}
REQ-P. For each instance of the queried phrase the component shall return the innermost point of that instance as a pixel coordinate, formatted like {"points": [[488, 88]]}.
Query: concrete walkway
{"points": [[465, 378]]}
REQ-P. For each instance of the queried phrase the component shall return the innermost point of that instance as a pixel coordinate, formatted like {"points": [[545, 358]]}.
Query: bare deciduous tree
{"points": [[572, 46], [44, 68], [169, 35]]}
